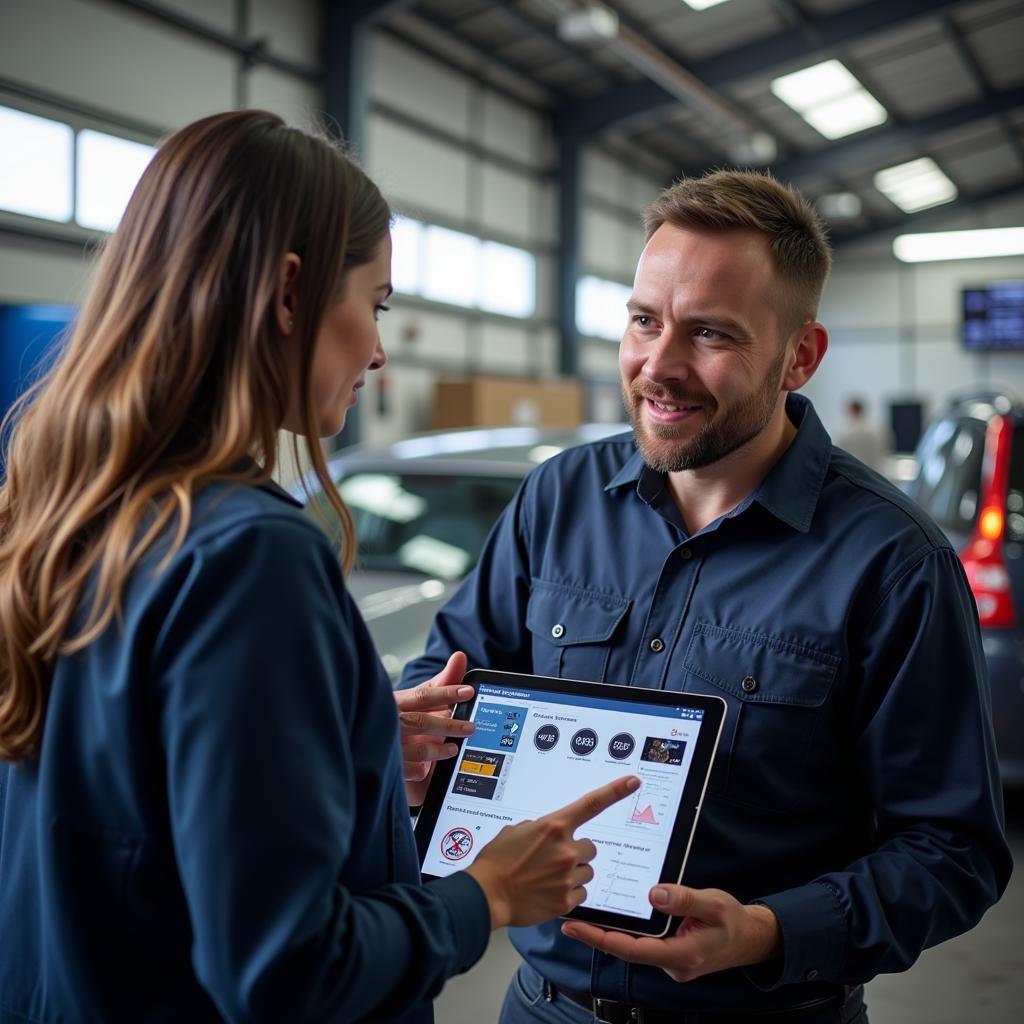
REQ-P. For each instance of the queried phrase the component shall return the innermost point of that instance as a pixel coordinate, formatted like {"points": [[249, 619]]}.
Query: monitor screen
{"points": [[993, 316]]}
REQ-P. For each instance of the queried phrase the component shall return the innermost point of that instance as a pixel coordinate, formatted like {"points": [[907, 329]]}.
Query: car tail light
{"points": [[983, 556]]}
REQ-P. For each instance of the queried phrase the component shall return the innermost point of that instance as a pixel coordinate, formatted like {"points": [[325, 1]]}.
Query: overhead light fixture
{"points": [[702, 5], [756, 149], [846, 115], [830, 99], [839, 205], [915, 185], [588, 24], [979, 243]]}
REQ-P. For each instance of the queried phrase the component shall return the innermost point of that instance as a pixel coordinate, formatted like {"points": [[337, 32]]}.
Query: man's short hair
{"points": [[736, 200]]}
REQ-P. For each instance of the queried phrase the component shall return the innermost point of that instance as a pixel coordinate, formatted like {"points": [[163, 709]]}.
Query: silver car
{"points": [[423, 508]]}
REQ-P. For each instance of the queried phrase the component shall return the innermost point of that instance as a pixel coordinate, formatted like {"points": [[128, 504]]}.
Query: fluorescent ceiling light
{"points": [[805, 89], [959, 245], [588, 25], [702, 5], [915, 185], [830, 99], [846, 115]]}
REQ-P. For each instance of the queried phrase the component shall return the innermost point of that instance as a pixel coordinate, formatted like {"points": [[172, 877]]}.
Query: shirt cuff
{"points": [[814, 938], [470, 916]]}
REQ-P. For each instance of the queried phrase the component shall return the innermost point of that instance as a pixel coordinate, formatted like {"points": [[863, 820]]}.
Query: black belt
{"points": [[607, 1011]]}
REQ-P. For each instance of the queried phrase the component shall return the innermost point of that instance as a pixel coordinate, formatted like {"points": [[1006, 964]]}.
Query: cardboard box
{"points": [[507, 402]]}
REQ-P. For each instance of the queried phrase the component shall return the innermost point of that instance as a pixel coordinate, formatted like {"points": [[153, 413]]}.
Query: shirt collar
{"points": [[275, 489], [791, 488]]}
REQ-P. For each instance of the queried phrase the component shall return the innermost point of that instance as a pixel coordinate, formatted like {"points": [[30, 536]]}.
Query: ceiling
{"points": [[675, 86]]}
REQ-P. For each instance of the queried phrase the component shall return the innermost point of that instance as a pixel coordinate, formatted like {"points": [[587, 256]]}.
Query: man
{"points": [[854, 813], [862, 439]]}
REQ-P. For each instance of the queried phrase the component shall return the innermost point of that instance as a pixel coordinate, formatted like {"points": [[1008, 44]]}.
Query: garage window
{"points": [[35, 165]]}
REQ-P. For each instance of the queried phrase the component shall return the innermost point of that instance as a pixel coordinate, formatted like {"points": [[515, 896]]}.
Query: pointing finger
{"points": [[597, 800]]}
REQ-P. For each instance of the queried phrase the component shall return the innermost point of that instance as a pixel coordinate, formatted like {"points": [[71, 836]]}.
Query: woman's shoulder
{"points": [[222, 508], [239, 535]]}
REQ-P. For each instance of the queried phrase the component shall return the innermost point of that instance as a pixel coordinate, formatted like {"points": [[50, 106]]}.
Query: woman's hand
{"points": [[425, 720], [534, 871]]}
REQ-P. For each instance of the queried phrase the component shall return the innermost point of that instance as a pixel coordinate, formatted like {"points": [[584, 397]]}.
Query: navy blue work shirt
{"points": [[855, 790], [216, 827]]}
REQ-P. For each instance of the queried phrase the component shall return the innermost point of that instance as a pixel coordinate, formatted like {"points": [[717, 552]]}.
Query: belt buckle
{"points": [[608, 1011]]}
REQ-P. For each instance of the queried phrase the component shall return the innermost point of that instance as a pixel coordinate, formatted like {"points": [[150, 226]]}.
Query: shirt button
{"points": [[811, 975], [558, 630], [686, 554], [749, 684], [657, 645]]}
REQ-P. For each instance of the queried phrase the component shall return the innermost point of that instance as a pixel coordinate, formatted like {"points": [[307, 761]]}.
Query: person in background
{"points": [[201, 806], [725, 546], [863, 439]]}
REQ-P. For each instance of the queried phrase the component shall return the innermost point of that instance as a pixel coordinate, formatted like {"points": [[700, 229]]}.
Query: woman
{"points": [[201, 808]]}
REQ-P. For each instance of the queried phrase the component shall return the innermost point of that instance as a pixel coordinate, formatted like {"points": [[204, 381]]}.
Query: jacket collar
{"points": [[791, 489]]}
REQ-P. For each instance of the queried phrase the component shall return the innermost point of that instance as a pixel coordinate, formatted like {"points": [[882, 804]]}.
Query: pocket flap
{"points": [[759, 667], [565, 615]]}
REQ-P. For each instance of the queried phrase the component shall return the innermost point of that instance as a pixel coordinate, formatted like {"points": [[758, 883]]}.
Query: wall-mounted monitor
{"points": [[993, 316]]}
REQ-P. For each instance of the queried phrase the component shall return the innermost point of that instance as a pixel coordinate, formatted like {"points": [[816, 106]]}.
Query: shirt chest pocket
{"points": [[572, 629], [775, 751]]}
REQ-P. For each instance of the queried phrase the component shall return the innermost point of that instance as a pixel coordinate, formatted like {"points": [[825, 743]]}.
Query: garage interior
{"points": [[519, 143]]}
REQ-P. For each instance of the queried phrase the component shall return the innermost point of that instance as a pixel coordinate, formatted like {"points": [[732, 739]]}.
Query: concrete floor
{"points": [[975, 979]]}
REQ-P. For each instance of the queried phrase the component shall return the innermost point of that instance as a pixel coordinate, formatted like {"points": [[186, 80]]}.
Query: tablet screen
{"points": [[542, 743]]}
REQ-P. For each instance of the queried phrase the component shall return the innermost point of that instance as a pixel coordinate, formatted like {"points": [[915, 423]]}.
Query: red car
{"points": [[970, 480]]}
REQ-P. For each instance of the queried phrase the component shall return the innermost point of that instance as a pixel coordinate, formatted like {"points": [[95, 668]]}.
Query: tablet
{"points": [[540, 743]]}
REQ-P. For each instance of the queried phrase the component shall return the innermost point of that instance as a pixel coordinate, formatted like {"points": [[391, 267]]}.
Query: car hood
{"points": [[399, 608]]}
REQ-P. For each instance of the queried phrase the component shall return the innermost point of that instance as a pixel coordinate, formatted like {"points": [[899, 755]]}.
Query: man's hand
{"points": [[425, 719], [717, 932]]}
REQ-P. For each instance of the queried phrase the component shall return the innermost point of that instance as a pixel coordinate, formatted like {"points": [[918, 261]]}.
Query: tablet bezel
{"points": [[687, 815]]}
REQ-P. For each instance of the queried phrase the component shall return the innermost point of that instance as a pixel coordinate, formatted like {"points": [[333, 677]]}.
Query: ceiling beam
{"points": [[926, 218], [585, 118], [371, 10], [875, 147]]}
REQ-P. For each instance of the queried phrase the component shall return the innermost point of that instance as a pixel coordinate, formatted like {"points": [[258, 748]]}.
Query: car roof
{"points": [[499, 451], [984, 403]]}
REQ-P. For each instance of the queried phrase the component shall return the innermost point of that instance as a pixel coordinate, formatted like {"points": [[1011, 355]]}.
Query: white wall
{"points": [[895, 327]]}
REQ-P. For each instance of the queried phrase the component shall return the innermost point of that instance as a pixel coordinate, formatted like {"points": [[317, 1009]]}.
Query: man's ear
{"points": [[285, 299], [807, 348]]}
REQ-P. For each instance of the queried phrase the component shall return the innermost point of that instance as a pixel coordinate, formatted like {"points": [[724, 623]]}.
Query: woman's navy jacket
{"points": [[216, 826]]}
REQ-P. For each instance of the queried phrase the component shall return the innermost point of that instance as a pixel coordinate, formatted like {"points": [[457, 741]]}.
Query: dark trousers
{"points": [[530, 1000]]}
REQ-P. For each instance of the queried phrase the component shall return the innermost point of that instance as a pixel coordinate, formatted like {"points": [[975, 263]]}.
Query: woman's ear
{"points": [[284, 300]]}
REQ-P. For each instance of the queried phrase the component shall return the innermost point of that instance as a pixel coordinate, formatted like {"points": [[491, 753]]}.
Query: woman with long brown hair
{"points": [[201, 806]]}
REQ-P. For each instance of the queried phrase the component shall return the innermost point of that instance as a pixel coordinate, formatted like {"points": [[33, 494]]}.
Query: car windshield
{"points": [[948, 483], [435, 524]]}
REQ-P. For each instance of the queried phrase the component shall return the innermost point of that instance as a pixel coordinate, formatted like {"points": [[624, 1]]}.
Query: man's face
{"points": [[702, 361]]}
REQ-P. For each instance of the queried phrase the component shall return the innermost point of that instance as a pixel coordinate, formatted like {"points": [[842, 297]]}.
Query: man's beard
{"points": [[720, 435]]}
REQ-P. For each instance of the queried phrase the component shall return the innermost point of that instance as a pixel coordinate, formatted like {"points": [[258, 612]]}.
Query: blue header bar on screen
{"points": [[546, 697]]}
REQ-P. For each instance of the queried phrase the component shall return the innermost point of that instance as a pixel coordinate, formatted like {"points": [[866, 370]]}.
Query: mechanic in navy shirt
{"points": [[202, 815], [854, 814]]}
